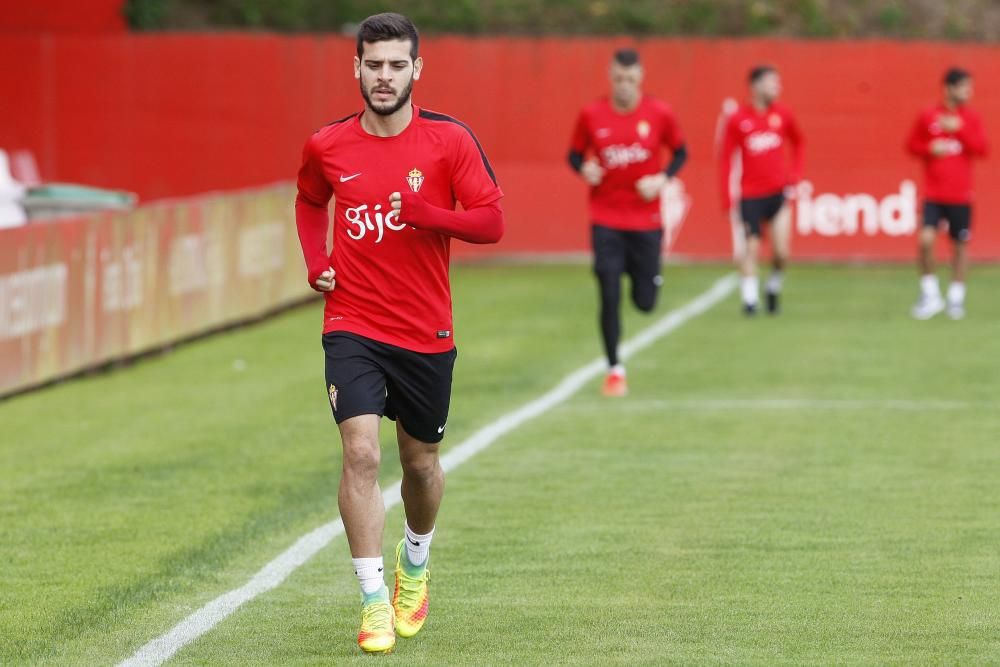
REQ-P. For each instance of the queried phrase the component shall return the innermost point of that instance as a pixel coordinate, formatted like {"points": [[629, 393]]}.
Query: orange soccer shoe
{"points": [[410, 599], [614, 384], [378, 632]]}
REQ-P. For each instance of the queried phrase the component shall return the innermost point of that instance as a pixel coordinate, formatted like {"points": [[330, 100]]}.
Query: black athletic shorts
{"points": [[757, 210], [635, 253], [958, 216], [365, 377]]}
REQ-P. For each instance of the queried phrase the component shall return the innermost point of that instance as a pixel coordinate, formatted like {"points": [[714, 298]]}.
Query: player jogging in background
{"points": [[947, 137], [396, 172], [771, 150], [617, 148]]}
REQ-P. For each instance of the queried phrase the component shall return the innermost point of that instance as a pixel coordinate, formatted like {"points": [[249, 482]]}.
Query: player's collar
{"points": [[619, 112], [360, 129]]}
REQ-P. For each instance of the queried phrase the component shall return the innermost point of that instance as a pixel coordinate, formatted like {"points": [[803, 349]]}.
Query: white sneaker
{"points": [[927, 307], [956, 311]]}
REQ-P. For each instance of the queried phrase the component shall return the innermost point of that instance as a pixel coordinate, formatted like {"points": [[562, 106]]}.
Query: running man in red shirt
{"points": [[947, 137], [617, 148], [396, 172], [763, 132]]}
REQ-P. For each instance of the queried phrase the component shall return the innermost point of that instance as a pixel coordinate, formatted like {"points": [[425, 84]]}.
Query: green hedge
{"points": [[929, 19]]}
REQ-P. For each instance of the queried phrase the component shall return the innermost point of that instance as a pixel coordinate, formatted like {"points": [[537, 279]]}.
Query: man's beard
{"points": [[401, 100], [625, 99]]}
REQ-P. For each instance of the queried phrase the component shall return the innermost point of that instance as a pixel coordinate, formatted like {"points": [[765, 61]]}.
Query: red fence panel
{"points": [[62, 16], [180, 114]]}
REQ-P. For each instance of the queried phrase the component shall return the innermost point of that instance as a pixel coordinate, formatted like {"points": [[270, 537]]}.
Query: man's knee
{"points": [[927, 236], [420, 460], [362, 453], [609, 282], [362, 461], [646, 306], [644, 298], [421, 468], [607, 276]]}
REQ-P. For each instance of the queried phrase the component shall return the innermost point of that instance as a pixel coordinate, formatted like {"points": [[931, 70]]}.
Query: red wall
{"points": [[169, 115], [62, 16]]}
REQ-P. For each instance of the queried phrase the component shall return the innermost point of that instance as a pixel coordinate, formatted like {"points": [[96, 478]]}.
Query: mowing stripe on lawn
{"points": [[159, 650]]}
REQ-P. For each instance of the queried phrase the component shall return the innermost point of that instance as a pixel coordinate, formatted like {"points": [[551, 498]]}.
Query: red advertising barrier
{"points": [[77, 293], [62, 16], [179, 114]]}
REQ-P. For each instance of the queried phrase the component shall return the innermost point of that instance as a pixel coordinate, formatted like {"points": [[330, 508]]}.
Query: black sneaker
{"points": [[749, 309], [773, 307]]}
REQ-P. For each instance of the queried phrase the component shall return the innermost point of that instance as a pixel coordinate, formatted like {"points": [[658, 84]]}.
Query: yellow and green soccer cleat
{"points": [[410, 597], [378, 632]]}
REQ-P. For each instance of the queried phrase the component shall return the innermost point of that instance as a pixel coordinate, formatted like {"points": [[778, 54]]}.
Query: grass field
{"points": [[819, 488]]}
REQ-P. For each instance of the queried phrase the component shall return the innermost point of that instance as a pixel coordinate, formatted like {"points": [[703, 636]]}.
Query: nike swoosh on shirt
{"points": [[344, 179]]}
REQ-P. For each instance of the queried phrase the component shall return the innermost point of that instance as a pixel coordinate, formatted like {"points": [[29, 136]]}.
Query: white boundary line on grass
{"points": [[779, 404], [271, 575]]}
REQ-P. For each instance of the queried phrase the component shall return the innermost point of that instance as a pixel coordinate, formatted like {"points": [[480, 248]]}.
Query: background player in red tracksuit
{"points": [[947, 137], [763, 132], [397, 172], [617, 148]]}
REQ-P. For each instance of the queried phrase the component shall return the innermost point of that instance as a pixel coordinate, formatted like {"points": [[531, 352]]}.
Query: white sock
{"points": [[956, 294], [617, 369], [930, 287], [774, 282], [369, 573], [417, 546], [749, 288]]}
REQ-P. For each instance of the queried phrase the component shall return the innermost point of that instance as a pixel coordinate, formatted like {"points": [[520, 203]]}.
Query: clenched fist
{"points": [[592, 172], [649, 187], [326, 281]]}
